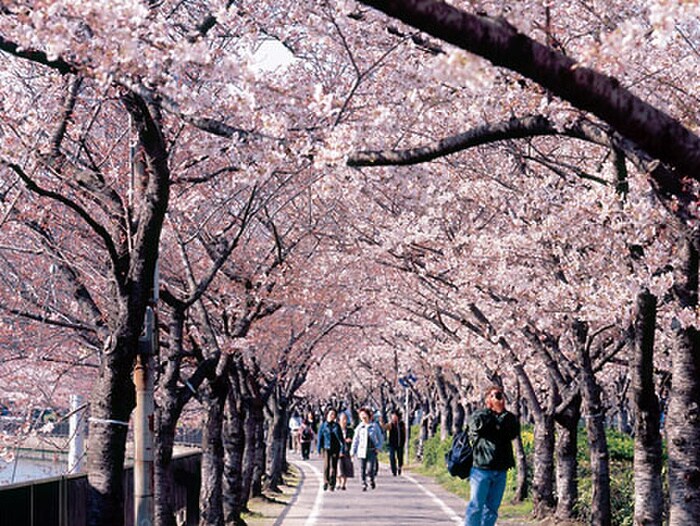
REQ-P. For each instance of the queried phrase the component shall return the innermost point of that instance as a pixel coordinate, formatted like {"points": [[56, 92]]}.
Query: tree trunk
{"points": [[260, 459], [683, 419], [211, 512], [520, 458], [444, 403], [111, 404], [648, 493], [458, 415], [601, 513], [543, 460], [252, 405], [234, 444], [166, 423], [167, 413], [543, 455], [278, 428], [424, 430], [567, 464]]}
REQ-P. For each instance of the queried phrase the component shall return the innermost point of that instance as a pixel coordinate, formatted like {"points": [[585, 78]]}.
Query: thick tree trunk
{"points": [[648, 493], [167, 413], [601, 513], [424, 430], [444, 404], [211, 511], [683, 419], [110, 407], [234, 444], [521, 486], [458, 415], [543, 455], [260, 458], [253, 405], [278, 440], [165, 428], [543, 475], [622, 414], [567, 464]]}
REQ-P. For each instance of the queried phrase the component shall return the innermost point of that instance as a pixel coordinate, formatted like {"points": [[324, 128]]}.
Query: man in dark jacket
{"points": [[491, 431], [396, 430], [330, 440]]}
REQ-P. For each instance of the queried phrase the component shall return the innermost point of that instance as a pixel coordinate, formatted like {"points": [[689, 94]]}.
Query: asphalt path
{"points": [[404, 499]]}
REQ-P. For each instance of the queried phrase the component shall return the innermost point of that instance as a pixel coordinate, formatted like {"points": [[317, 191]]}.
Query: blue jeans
{"points": [[368, 467], [487, 487]]}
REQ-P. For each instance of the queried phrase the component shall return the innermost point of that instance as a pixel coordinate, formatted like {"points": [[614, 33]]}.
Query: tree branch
{"points": [[664, 137]]}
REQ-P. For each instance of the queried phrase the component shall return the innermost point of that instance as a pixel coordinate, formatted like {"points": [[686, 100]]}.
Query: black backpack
{"points": [[460, 457], [307, 434]]}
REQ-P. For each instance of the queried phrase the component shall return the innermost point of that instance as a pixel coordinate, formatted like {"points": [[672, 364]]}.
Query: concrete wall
{"points": [[62, 501]]}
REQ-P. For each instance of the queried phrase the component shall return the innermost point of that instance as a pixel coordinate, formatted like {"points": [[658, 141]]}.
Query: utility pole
{"points": [[143, 426], [144, 466], [76, 426]]}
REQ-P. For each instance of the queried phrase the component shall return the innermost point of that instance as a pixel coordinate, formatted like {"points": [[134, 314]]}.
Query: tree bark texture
{"points": [[496, 40], [601, 512], [260, 453], [233, 438], [648, 492], [168, 411], [458, 415], [543, 475], [683, 419], [253, 416], [543, 442], [111, 404], [113, 397], [166, 423], [444, 403], [521, 486], [211, 512], [278, 443], [567, 463]]}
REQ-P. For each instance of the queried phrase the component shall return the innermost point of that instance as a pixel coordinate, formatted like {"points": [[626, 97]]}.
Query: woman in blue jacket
{"points": [[330, 441]]}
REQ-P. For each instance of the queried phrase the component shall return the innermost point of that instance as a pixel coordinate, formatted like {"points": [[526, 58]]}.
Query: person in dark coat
{"points": [[330, 441], [396, 431], [345, 467], [491, 431], [307, 432]]}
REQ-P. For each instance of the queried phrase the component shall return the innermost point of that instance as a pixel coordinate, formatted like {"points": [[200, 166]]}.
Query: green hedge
{"points": [[621, 449]]}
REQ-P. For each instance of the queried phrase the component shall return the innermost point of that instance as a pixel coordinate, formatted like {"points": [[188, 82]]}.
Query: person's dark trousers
{"points": [[305, 448], [396, 459], [330, 468]]}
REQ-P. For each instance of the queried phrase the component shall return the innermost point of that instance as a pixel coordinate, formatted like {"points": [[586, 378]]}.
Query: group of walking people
{"points": [[491, 431], [339, 444]]}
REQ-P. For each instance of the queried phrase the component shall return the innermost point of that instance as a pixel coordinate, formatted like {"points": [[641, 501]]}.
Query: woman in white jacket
{"points": [[367, 440]]}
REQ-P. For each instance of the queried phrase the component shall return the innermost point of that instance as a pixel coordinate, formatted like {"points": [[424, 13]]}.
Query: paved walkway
{"points": [[406, 499]]}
